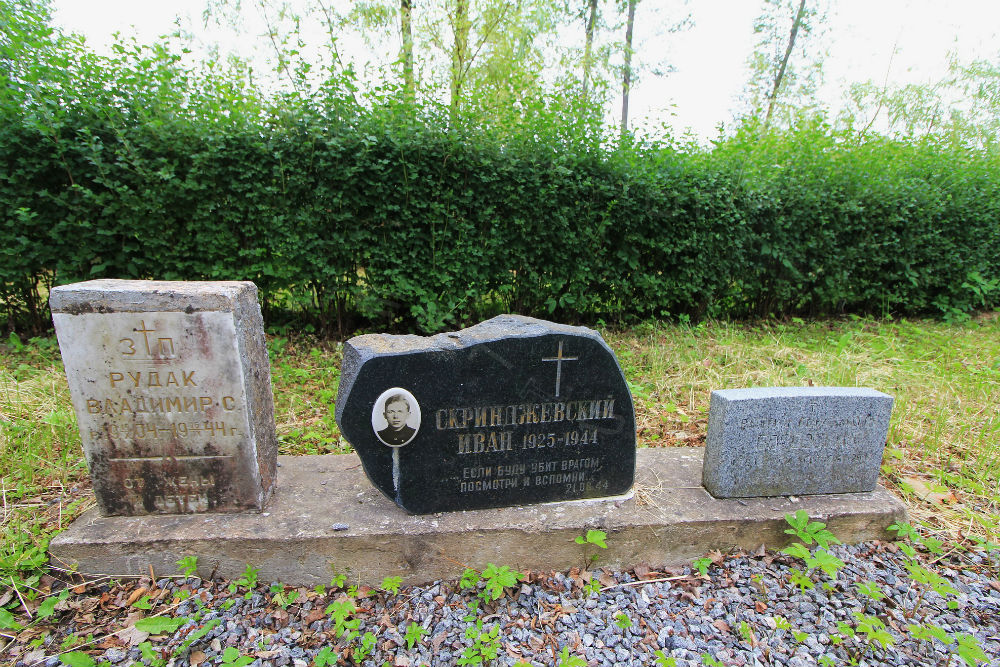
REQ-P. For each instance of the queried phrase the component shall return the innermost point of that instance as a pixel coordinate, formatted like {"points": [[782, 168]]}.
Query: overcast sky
{"points": [[709, 59]]}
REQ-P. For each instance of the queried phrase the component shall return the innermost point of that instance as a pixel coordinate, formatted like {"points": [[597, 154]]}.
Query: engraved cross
{"points": [[559, 358], [145, 334]]}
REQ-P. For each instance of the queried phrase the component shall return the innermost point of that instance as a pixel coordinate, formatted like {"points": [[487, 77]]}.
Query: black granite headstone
{"points": [[511, 411]]}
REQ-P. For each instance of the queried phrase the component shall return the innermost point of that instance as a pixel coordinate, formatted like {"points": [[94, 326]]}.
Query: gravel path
{"points": [[746, 613]]}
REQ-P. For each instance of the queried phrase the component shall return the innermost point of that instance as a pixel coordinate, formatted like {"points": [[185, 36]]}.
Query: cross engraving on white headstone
{"points": [[559, 358]]}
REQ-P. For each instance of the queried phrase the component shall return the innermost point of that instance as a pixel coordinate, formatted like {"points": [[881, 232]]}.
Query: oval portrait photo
{"points": [[396, 417]]}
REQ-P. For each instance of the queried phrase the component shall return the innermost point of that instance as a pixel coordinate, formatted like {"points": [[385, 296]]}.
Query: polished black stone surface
{"points": [[511, 411]]}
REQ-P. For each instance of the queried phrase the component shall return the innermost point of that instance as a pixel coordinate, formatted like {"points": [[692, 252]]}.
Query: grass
{"points": [[944, 432]]}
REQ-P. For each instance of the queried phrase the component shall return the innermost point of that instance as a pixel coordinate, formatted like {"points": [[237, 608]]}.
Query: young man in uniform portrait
{"points": [[397, 411]]}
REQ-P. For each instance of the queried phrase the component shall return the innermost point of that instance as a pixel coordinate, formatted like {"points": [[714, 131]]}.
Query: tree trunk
{"points": [[627, 74], [459, 54], [589, 46], [406, 30], [784, 63]]}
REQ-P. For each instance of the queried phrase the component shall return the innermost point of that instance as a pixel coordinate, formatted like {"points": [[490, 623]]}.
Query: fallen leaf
{"points": [[721, 625], [268, 654], [641, 571], [196, 658], [32, 657], [761, 550], [136, 594], [929, 492], [760, 607], [606, 579], [314, 615], [716, 557], [401, 661], [995, 585], [133, 636]]}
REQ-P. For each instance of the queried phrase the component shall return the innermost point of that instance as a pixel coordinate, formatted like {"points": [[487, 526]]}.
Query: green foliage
{"points": [[662, 660], [873, 629], [485, 645], [870, 590], [248, 581], [470, 578], [158, 625], [132, 166], [326, 657], [567, 660], [188, 565], [7, 621], [709, 661], [809, 531], [595, 537], [702, 565], [969, 651], [414, 633], [623, 621], [77, 659], [365, 647], [392, 584], [496, 579], [231, 658], [343, 625]]}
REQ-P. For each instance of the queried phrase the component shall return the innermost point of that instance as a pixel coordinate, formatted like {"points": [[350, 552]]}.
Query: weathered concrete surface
{"points": [[172, 391], [669, 520]]}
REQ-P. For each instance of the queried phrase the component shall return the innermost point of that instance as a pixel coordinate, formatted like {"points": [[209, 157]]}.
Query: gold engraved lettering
{"points": [[190, 404], [156, 404], [135, 377], [125, 406], [172, 379], [173, 404], [206, 403], [496, 415], [93, 406], [609, 409], [481, 416], [228, 403], [464, 443], [115, 378], [189, 379], [153, 380], [126, 346]]}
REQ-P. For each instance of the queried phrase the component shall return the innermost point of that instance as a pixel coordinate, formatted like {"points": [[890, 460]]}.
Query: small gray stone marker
{"points": [[782, 441], [172, 390]]}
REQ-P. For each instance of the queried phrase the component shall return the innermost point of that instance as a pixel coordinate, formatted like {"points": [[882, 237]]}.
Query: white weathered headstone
{"points": [[172, 391]]}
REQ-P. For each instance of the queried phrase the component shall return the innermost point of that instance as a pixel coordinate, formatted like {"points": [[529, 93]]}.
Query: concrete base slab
{"points": [[326, 517]]}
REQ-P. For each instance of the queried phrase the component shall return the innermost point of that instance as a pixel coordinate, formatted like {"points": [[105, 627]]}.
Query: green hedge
{"points": [[404, 226]]}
